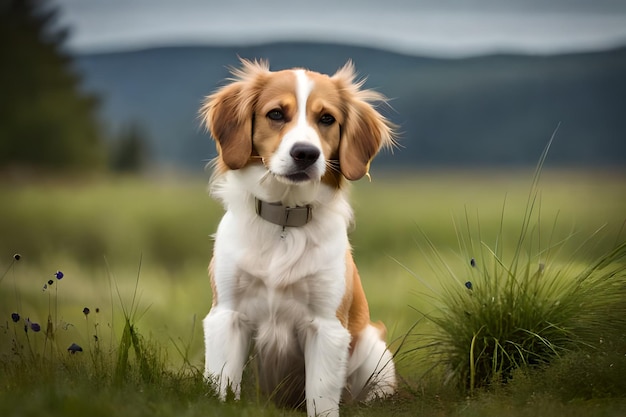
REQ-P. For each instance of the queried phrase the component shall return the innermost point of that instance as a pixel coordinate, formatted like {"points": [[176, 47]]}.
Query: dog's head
{"points": [[304, 126]]}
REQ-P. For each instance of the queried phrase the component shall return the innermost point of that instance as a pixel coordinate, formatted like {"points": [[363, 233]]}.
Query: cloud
{"points": [[435, 28]]}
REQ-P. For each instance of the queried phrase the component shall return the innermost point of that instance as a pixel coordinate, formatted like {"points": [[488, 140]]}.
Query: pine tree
{"points": [[46, 121]]}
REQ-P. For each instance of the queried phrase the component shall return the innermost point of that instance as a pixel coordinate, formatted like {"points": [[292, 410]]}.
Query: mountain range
{"points": [[497, 110]]}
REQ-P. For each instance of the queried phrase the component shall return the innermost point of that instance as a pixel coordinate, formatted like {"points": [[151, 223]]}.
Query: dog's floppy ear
{"points": [[228, 114], [364, 130]]}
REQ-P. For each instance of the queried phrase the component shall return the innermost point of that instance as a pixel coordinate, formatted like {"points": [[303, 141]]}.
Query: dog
{"points": [[282, 274]]}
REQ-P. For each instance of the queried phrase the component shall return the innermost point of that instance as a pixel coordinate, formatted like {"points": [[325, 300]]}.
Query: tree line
{"points": [[47, 122]]}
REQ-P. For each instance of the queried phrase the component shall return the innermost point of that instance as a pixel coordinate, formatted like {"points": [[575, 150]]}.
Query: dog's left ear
{"points": [[228, 114], [365, 131]]}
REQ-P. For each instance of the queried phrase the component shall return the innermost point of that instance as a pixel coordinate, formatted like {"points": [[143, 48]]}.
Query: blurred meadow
{"points": [[106, 234]]}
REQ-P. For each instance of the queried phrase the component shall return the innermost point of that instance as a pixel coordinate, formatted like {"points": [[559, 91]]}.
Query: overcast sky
{"points": [[435, 27]]}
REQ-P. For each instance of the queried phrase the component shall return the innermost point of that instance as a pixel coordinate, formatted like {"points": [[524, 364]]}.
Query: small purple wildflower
{"points": [[86, 311], [74, 348], [473, 263], [468, 285], [58, 275], [35, 327], [15, 317]]}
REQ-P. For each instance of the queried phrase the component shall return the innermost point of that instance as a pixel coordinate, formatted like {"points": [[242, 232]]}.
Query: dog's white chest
{"points": [[276, 316], [281, 273]]}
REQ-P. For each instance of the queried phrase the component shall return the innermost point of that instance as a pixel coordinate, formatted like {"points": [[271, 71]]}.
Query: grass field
{"points": [[136, 251]]}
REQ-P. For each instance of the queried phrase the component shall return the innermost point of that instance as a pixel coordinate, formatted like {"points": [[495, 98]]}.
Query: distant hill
{"points": [[493, 110]]}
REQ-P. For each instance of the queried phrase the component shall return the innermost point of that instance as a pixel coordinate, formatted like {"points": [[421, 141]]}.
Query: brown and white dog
{"points": [[282, 272]]}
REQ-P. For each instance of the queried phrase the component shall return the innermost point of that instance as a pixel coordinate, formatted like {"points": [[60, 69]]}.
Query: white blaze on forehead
{"points": [[282, 163], [304, 85]]}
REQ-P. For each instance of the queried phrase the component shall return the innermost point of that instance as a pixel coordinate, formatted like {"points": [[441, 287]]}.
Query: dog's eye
{"points": [[276, 115], [327, 119]]}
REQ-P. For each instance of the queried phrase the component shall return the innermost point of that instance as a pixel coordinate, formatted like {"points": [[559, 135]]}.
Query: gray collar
{"points": [[282, 215]]}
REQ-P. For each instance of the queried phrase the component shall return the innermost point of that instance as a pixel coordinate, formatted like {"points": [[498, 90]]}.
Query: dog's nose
{"points": [[304, 155]]}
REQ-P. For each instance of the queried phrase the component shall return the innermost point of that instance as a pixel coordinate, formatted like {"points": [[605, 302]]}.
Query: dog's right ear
{"points": [[228, 114], [229, 119]]}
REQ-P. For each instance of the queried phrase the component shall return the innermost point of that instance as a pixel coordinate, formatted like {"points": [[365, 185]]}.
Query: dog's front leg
{"points": [[227, 342], [326, 357]]}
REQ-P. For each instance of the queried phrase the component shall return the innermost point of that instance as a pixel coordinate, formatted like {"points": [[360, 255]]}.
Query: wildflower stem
{"points": [[56, 303]]}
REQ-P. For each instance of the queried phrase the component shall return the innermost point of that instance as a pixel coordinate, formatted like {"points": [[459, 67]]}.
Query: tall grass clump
{"points": [[507, 311]]}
